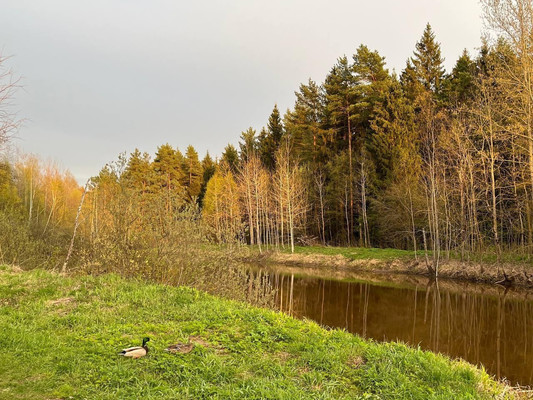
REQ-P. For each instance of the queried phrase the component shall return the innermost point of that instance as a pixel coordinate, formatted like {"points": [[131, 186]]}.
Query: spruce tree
{"points": [[304, 124], [208, 168], [423, 82], [230, 157], [247, 144], [459, 85], [394, 140], [424, 71], [270, 139], [275, 127], [341, 97], [265, 147]]}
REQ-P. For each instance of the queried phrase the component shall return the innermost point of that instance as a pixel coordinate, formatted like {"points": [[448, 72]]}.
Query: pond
{"points": [[485, 325]]}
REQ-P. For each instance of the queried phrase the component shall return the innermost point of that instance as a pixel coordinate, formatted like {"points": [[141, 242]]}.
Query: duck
{"points": [[136, 352], [183, 348]]}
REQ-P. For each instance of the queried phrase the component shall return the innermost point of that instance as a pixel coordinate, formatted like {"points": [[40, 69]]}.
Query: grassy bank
{"points": [[515, 272], [355, 253], [60, 335]]}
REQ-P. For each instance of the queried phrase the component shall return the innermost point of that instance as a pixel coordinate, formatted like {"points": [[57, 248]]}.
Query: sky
{"points": [[102, 77]]}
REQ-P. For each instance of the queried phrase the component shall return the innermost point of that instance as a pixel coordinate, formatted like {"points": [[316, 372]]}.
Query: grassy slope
{"points": [[59, 338], [355, 253], [488, 256]]}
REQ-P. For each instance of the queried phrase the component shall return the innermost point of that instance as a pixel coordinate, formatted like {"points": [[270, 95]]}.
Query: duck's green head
{"points": [[145, 340]]}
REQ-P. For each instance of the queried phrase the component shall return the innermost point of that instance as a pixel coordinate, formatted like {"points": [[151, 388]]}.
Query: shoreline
{"points": [[238, 348], [463, 271]]}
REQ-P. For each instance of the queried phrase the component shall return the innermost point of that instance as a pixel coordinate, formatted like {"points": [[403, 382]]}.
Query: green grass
{"points": [[354, 253], [490, 256], [360, 253], [59, 338]]}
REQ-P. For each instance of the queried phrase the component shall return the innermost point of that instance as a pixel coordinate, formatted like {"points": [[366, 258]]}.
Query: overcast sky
{"points": [[105, 76]]}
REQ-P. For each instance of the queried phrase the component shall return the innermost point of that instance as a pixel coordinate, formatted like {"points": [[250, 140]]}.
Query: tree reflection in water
{"points": [[483, 325]]}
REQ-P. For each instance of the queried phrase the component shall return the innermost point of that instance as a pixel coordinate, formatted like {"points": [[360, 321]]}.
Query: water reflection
{"points": [[490, 327]]}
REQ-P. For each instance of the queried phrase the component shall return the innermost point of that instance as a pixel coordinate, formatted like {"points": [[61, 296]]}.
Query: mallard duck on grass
{"points": [[136, 352]]}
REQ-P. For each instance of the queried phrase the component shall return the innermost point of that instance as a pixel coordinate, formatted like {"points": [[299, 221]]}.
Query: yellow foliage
{"points": [[222, 209]]}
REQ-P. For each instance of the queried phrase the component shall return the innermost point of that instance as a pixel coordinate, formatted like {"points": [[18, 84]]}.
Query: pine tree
{"points": [[369, 70], [137, 174], [167, 166], [338, 199], [193, 173], [340, 98]]}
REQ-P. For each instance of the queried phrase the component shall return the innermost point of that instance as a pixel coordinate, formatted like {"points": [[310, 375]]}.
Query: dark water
{"points": [[484, 325]]}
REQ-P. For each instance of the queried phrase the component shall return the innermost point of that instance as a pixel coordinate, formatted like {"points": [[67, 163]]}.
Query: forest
{"points": [[427, 160], [390, 210]]}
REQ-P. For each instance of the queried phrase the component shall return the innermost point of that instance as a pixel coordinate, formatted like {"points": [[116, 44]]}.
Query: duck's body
{"points": [[136, 352]]}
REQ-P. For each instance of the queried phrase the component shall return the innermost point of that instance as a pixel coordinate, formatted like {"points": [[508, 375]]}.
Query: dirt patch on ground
{"points": [[303, 370], [62, 306], [219, 349], [245, 375], [61, 302], [200, 341], [15, 269], [356, 362], [282, 356], [11, 302]]}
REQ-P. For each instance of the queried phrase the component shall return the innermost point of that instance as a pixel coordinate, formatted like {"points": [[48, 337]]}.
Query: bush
{"points": [[17, 246]]}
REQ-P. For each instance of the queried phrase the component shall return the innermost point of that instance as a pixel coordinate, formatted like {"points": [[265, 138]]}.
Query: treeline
{"points": [[423, 160], [145, 226], [38, 204], [420, 160]]}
